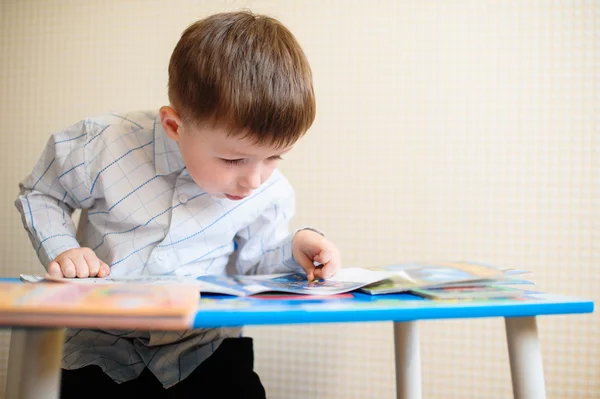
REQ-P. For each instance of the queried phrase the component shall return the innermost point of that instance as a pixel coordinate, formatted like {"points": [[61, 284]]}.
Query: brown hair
{"points": [[245, 70]]}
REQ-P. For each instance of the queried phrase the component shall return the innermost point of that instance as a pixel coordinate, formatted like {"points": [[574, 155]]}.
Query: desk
{"points": [[35, 354]]}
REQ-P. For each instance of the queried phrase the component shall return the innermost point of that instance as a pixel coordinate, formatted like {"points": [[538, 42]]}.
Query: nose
{"points": [[252, 179]]}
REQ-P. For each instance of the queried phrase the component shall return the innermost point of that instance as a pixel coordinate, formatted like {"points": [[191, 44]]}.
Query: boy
{"points": [[190, 189]]}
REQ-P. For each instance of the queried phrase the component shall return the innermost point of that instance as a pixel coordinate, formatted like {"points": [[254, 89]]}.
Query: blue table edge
{"points": [[307, 312]]}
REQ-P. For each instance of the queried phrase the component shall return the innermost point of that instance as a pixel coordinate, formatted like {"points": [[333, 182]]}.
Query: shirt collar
{"points": [[167, 157]]}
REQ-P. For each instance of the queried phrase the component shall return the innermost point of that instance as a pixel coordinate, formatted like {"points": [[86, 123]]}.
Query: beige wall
{"points": [[445, 130]]}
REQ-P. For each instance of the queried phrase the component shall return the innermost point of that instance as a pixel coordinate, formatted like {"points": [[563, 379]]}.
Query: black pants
{"points": [[227, 373]]}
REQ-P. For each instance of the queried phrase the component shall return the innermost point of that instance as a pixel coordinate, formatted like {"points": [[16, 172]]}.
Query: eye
{"points": [[233, 161], [275, 158]]}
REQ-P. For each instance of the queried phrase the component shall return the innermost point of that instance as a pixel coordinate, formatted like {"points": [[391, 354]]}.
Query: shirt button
{"points": [[183, 198], [160, 256]]}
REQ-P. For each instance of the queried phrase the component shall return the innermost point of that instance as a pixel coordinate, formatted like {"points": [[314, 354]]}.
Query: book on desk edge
{"points": [[469, 292], [99, 305]]}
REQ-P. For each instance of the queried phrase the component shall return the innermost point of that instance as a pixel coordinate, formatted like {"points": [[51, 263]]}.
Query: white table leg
{"points": [[34, 363], [526, 366], [408, 360]]}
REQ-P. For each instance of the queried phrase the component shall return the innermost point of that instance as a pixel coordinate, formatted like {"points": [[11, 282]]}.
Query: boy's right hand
{"points": [[78, 262]]}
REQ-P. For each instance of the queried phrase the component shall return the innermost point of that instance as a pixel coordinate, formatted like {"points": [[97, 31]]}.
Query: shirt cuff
{"points": [[308, 228], [49, 246]]}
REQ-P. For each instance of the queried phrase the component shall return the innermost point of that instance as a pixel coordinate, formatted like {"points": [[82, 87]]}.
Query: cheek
{"points": [[207, 174], [268, 171], [216, 175]]}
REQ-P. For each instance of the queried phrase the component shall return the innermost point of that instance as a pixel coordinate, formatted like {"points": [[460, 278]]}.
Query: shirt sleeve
{"points": [[58, 185], [265, 246]]}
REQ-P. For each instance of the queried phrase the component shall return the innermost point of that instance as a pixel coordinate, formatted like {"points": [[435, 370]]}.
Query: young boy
{"points": [[190, 189]]}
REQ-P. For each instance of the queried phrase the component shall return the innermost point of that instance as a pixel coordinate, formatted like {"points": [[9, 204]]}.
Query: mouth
{"points": [[234, 197]]}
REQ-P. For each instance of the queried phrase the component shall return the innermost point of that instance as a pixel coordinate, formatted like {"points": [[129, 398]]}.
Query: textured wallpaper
{"points": [[445, 130]]}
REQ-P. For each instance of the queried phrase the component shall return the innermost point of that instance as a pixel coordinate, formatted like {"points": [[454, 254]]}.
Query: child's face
{"points": [[223, 166]]}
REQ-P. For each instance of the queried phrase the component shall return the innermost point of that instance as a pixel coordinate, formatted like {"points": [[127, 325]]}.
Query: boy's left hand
{"points": [[308, 247]]}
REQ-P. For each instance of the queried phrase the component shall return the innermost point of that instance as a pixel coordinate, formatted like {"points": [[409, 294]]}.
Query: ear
{"points": [[171, 122]]}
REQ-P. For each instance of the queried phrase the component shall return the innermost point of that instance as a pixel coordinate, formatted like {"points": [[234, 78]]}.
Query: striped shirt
{"points": [[146, 216]]}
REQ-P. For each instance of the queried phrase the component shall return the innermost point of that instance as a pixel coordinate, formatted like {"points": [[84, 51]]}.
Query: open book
{"points": [[409, 277], [345, 280], [99, 306], [448, 280]]}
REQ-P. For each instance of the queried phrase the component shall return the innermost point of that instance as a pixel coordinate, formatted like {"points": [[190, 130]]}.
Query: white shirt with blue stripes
{"points": [[146, 216]]}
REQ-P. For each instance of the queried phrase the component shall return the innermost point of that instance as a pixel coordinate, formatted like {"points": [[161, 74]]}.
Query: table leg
{"points": [[525, 356], [408, 360], [34, 363]]}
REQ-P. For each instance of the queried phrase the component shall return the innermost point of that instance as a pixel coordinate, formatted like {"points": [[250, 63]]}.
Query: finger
{"points": [[54, 270], [104, 270], [93, 263], [330, 268], [324, 256], [325, 272], [82, 270], [68, 268], [307, 265]]}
